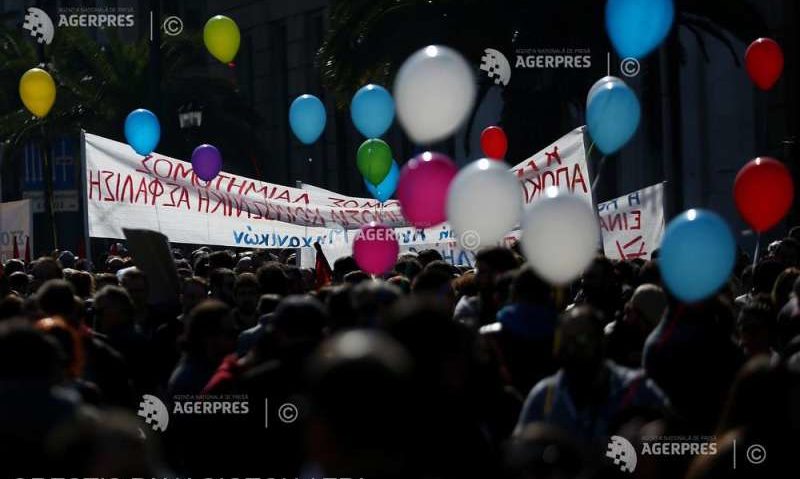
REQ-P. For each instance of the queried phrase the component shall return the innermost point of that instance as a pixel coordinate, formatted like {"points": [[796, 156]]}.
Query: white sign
{"points": [[127, 190], [16, 221], [633, 224]]}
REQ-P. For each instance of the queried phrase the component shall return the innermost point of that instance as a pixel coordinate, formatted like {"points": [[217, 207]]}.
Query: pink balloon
{"points": [[375, 248], [422, 188]]}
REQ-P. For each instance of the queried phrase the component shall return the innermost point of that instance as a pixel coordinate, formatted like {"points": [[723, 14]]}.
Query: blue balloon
{"points": [[612, 114], [142, 131], [697, 255], [372, 110], [307, 117], [387, 187], [637, 27]]}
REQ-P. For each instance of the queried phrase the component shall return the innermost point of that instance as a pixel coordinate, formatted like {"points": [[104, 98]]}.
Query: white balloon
{"points": [[434, 93], [484, 203], [560, 236]]}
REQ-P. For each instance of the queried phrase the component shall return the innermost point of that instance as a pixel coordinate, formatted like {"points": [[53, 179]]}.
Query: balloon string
{"points": [[755, 253], [589, 151], [599, 171]]}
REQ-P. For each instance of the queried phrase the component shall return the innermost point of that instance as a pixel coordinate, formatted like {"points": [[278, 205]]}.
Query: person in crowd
{"points": [[408, 265], [342, 266], [428, 256], [245, 297], [134, 281], [764, 275], [782, 291], [221, 283], [272, 279], [19, 282], [756, 328], [600, 288], [209, 336], [626, 336], [489, 264], [249, 337], [588, 394], [435, 283]]}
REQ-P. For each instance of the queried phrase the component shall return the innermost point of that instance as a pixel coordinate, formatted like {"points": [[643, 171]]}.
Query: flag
{"points": [[322, 270], [16, 248], [27, 250]]}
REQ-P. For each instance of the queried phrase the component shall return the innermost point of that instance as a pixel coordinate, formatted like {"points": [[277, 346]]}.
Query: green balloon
{"points": [[374, 160]]}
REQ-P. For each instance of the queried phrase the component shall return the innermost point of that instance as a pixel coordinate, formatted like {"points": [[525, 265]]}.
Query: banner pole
{"points": [[85, 197], [755, 253]]}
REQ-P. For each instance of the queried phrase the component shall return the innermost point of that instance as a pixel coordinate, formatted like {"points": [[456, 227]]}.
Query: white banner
{"points": [[633, 224], [16, 221]]}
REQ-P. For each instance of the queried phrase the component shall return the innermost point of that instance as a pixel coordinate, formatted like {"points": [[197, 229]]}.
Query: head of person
{"points": [[44, 269], [220, 259], [83, 282], [56, 297], [435, 283], [272, 279], [67, 259], [408, 266], [245, 265], [114, 264], [428, 256], [371, 299], [210, 332], [788, 252], [28, 355], [102, 280], [342, 266], [339, 303], [298, 321], [755, 326], [490, 263], [70, 342], [355, 277], [20, 282], [221, 282], [401, 282], [246, 293], [645, 308], [580, 344], [361, 421], [194, 290], [529, 287], [11, 306], [13, 265], [599, 282], [267, 304], [113, 309], [135, 283], [764, 276], [784, 286]]}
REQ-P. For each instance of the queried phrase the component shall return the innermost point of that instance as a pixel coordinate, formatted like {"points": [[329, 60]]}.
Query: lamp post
{"points": [[190, 119]]}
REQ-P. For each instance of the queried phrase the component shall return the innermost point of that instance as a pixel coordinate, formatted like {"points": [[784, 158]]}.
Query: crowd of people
{"points": [[431, 371]]}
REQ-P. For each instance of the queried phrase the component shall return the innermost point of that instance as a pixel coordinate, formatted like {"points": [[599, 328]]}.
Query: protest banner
{"points": [[16, 222], [633, 224], [562, 164], [124, 189]]}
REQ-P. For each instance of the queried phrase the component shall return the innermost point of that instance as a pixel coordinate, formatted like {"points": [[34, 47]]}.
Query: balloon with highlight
{"points": [[612, 114], [307, 118], [422, 188], [375, 248], [494, 142], [206, 162], [221, 37], [763, 191], [374, 160], [386, 188], [372, 110], [637, 27], [764, 62], [142, 131], [37, 91]]}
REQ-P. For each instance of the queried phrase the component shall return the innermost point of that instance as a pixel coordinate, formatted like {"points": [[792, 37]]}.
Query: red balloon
{"points": [[763, 191], [494, 142], [764, 62]]}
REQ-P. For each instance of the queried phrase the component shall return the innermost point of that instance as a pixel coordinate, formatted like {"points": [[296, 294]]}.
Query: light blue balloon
{"points": [[637, 27], [612, 114], [372, 110], [387, 187], [307, 118], [142, 130], [697, 255]]}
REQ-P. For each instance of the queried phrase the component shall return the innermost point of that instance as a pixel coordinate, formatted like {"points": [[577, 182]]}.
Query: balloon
{"points": [[434, 91], [142, 131], [763, 191], [422, 188], [484, 219], [38, 91], [374, 160], [206, 162], [560, 236], [697, 255], [387, 187], [221, 36], [307, 118], [372, 110], [612, 114], [637, 27], [764, 62], [375, 248], [494, 142]]}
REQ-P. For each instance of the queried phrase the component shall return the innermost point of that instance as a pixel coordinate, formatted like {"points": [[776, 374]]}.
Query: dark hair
{"points": [[498, 258], [356, 277], [220, 259], [27, 354], [432, 281], [56, 298], [342, 266], [119, 297], [527, 286], [13, 265], [272, 279], [408, 267], [427, 256], [300, 318], [765, 274], [204, 322]]}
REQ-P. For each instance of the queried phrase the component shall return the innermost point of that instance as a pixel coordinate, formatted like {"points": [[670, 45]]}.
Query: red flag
{"points": [[16, 248], [27, 250], [322, 270], [81, 248]]}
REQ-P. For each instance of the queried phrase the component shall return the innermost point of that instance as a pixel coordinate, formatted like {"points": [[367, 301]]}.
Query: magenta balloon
{"points": [[206, 162], [375, 248], [422, 189]]}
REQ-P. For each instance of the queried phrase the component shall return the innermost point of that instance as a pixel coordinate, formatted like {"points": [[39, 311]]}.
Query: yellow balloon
{"points": [[38, 91], [221, 36]]}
